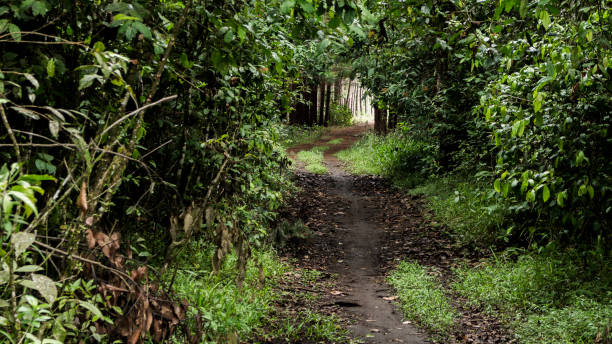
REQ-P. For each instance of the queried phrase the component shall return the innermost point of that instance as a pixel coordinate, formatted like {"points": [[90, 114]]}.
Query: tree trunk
{"points": [[327, 119], [337, 90], [360, 101], [312, 109], [380, 120], [322, 103], [348, 94]]}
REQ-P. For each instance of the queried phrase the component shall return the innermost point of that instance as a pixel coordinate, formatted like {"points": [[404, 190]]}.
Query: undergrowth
{"points": [[313, 159], [547, 298], [467, 207], [422, 298], [397, 156], [227, 311], [293, 135]]}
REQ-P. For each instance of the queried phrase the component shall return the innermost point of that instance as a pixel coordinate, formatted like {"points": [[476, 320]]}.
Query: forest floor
{"points": [[361, 228]]}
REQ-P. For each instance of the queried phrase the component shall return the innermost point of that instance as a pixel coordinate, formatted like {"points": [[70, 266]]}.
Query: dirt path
{"points": [[362, 228], [357, 240]]}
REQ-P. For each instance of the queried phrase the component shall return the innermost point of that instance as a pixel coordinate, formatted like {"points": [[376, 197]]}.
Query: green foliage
{"points": [[536, 292], [289, 233], [293, 135], [335, 141], [468, 209], [224, 308], [30, 300], [397, 155], [340, 115], [422, 299], [549, 113], [308, 325], [313, 159]]}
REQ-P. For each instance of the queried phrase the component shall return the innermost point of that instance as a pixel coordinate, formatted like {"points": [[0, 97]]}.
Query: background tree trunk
{"points": [[327, 119], [322, 103], [312, 109]]}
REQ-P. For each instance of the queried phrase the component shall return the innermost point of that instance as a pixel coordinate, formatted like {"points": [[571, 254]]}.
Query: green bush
{"points": [[467, 208], [340, 115]]}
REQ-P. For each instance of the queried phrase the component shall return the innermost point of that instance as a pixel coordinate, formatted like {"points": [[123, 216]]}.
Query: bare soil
{"points": [[362, 228]]}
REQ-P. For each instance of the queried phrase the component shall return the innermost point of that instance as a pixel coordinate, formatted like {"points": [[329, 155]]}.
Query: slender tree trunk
{"points": [[348, 94], [360, 101], [322, 104], [312, 110], [337, 90], [327, 119]]}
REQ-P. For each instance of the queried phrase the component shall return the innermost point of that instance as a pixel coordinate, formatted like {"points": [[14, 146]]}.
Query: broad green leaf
{"points": [[143, 29], [523, 8], [21, 241], [591, 191], [88, 80], [561, 198], [30, 206], [39, 8], [545, 193], [91, 307], [229, 36], [15, 32], [545, 18], [28, 268], [579, 158], [287, 6], [51, 68], [497, 185], [45, 286], [531, 195], [4, 276], [537, 102], [307, 6]]}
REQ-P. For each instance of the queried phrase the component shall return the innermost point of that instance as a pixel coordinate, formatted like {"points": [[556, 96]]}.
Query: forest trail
{"points": [[349, 244]]}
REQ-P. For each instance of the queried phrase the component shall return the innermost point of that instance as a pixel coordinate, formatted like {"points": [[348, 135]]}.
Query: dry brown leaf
{"points": [[82, 200]]}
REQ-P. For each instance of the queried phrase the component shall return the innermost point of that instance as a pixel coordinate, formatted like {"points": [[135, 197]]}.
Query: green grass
{"points": [[361, 157], [422, 298], [396, 155], [312, 327], [226, 310], [293, 135], [313, 159], [336, 141], [467, 207], [545, 298]]}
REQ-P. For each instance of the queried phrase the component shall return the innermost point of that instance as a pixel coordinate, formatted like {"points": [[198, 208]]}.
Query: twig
{"points": [[135, 112], [11, 134], [85, 260]]}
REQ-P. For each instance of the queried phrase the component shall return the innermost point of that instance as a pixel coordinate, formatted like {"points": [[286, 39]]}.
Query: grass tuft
{"points": [[313, 159], [422, 298], [293, 135], [226, 310], [335, 141]]}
